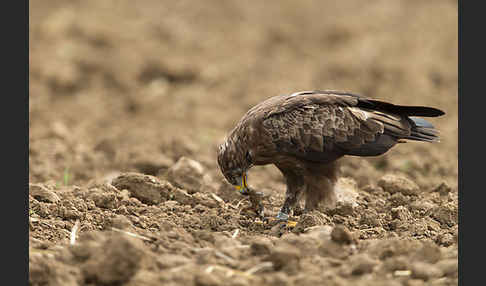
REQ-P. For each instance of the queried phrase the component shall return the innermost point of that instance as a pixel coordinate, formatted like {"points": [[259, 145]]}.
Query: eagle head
{"points": [[234, 161]]}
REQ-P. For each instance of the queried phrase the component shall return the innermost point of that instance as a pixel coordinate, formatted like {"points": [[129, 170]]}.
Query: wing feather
{"points": [[324, 125], [329, 125]]}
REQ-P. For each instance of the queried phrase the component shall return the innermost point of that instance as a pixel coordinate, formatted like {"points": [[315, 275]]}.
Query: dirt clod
{"points": [[43, 194], [447, 214], [187, 174], [120, 222], [146, 188], [329, 248], [261, 246], [104, 200], [114, 261], [398, 184], [425, 271], [362, 264], [311, 219], [285, 258], [205, 279], [48, 271], [341, 234]]}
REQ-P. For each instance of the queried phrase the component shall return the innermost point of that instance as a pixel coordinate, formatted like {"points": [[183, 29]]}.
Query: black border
{"points": [[15, 140], [471, 150]]}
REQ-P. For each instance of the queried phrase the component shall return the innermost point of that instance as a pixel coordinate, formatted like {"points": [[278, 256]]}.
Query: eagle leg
{"points": [[295, 188], [322, 193], [320, 186]]}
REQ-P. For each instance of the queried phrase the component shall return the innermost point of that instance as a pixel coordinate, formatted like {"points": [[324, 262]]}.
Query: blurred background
{"points": [[126, 85]]}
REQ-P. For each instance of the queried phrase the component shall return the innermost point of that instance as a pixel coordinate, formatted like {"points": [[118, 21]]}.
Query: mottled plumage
{"points": [[303, 134]]}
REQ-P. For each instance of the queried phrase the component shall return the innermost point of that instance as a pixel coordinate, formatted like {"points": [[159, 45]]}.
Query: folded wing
{"points": [[324, 125]]}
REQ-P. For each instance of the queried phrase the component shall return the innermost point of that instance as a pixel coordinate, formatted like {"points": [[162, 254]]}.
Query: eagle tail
{"points": [[424, 111], [422, 130]]}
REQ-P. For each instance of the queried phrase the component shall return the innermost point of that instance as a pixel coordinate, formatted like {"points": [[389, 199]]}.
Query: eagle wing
{"points": [[324, 125]]}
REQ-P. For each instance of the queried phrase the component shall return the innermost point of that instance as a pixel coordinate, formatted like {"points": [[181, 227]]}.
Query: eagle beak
{"points": [[242, 184]]}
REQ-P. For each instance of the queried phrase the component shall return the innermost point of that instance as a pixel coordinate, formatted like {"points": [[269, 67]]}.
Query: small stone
{"points": [[398, 184]]}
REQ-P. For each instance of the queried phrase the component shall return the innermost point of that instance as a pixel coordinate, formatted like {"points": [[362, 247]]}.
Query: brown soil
{"points": [[128, 102]]}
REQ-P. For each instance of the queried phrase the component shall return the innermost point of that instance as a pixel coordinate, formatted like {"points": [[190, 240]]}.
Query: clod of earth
{"points": [[42, 194], [148, 189], [187, 174], [398, 184]]}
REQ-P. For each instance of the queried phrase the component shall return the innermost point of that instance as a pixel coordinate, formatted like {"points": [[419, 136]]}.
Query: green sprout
{"points": [[66, 176]]}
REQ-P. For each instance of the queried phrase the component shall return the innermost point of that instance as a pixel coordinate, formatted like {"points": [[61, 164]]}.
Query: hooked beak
{"points": [[242, 184]]}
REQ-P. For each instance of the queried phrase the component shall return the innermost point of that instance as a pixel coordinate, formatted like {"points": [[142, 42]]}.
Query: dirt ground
{"points": [[128, 101]]}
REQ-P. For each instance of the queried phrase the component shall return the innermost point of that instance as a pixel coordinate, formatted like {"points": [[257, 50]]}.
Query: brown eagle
{"points": [[304, 133]]}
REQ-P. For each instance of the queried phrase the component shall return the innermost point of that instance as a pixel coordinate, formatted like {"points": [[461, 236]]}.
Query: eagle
{"points": [[305, 133]]}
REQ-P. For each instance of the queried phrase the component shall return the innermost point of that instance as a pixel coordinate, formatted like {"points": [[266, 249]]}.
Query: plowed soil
{"points": [[128, 101]]}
